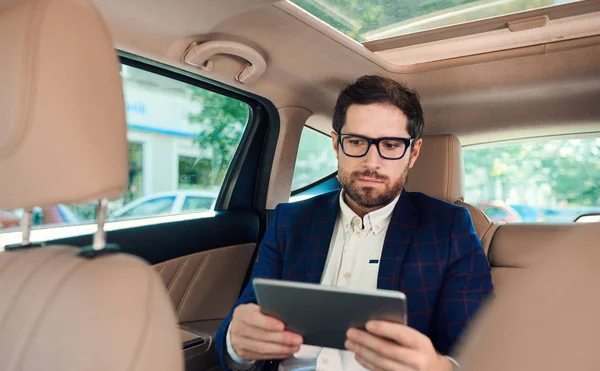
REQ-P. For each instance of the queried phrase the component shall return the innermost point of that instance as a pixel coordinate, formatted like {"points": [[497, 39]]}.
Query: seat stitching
{"points": [[20, 290], [48, 302], [185, 295], [176, 273], [11, 260]]}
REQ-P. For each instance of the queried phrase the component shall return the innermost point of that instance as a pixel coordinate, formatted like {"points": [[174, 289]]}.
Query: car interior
{"points": [[126, 100]]}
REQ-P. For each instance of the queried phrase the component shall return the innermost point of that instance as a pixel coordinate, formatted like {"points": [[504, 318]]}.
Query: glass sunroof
{"points": [[368, 20]]}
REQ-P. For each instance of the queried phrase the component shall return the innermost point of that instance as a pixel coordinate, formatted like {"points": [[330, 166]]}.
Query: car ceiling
{"points": [[522, 93]]}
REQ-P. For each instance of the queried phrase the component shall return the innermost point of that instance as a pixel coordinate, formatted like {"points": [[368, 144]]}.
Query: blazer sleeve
{"points": [[466, 285]]}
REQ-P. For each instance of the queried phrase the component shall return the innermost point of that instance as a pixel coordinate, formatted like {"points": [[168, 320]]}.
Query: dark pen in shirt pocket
{"points": [[373, 261]]}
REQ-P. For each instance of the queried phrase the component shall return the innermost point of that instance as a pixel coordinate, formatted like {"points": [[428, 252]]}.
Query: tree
{"points": [[571, 168], [222, 121], [357, 17]]}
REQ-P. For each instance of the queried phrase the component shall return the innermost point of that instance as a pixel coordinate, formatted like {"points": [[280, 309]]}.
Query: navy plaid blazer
{"points": [[431, 253]]}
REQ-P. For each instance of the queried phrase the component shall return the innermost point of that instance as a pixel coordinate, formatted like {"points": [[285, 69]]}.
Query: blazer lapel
{"points": [[319, 239], [397, 239]]}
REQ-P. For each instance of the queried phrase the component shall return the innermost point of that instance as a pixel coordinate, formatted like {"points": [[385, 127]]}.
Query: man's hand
{"points": [[391, 346], [255, 336]]}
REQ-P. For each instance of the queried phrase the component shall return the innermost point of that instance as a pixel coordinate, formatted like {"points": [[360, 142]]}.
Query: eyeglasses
{"points": [[389, 148]]}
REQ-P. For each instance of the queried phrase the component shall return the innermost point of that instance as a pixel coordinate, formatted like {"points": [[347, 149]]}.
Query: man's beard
{"points": [[368, 197]]}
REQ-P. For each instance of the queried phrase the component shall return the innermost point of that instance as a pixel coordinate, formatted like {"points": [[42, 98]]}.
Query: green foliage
{"points": [[571, 168], [357, 17], [222, 121], [315, 160]]}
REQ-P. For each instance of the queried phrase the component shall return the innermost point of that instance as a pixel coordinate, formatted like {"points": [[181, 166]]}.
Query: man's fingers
{"points": [[255, 333], [365, 363], [399, 333], [264, 357], [365, 344], [250, 314], [374, 362], [251, 349], [255, 336]]}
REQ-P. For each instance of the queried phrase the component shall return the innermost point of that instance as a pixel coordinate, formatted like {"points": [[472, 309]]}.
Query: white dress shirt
{"points": [[352, 261]]}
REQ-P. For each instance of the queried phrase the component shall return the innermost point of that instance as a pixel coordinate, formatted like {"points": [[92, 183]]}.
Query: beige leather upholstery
{"points": [[518, 247], [204, 286], [62, 312], [63, 139], [548, 320], [61, 106], [544, 315], [438, 171], [484, 227]]}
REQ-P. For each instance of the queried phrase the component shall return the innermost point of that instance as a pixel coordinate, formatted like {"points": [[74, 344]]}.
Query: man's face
{"points": [[372, 181]]}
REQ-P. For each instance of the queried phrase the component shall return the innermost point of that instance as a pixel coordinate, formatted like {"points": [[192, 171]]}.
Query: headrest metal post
{"points": [[100, 235], [26, 226]]}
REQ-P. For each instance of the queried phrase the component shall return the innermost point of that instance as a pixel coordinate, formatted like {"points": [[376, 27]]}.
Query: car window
{"points": [[535, 181], [197, 203], [155, 206], [182, 140], [315, 160], [495, 212]]}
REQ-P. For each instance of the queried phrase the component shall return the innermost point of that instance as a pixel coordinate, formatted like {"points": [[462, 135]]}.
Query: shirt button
{"points": [[347, 275], [357, 234], [325, 361]]}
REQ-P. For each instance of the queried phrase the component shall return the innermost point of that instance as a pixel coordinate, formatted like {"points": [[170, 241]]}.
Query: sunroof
{"points": [[368, 20]]}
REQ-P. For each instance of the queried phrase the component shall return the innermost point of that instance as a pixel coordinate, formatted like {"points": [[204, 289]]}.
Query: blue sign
{"points": [[136, 108]]}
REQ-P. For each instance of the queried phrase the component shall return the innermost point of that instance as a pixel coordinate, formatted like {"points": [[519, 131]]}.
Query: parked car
{"points": [[167, 203], [499, 211], [9, 220], [528, 213], [561, 215]]}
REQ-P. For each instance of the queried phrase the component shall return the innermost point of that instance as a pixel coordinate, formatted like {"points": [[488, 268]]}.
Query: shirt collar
{"points": [[377, 220]]}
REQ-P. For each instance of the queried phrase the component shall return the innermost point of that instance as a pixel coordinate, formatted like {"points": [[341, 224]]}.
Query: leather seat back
{"points": [[518, 247], [439, 173], [545, 317], [61, 312], [63, 140]]}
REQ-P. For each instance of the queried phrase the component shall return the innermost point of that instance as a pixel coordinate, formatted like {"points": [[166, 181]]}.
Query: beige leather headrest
{"points": [[438, 171], [62, 115]]}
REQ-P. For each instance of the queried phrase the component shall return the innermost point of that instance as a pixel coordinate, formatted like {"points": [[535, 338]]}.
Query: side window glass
{"points": [[315, 160], [182, 140], [535, 181], [152, 206], [198, 203]]}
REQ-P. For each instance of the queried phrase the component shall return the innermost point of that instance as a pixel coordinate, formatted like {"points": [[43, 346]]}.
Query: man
{"points": [[372, 234]]}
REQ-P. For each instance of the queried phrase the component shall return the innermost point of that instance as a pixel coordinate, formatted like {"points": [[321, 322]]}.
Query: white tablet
{"points": [[323, 314]]}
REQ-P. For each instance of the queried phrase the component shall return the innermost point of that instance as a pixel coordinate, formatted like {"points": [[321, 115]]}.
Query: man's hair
{"points": [[373, 89]]}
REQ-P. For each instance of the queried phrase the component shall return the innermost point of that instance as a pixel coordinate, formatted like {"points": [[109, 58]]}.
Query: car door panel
{"points": [[212, 276]]}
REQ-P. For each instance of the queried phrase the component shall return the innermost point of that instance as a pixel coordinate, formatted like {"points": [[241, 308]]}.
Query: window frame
{"points": [[254, 154], [260, 109]]}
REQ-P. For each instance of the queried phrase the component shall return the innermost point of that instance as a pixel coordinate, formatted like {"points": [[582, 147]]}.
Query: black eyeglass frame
{"points": [[375, 141]]}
